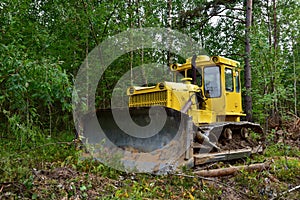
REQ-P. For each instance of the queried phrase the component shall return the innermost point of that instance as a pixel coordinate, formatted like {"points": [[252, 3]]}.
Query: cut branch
{"points": [[288, 191], [232, 170]]}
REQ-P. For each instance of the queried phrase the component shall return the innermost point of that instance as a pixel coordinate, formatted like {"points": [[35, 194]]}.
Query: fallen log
{"points": [[232, 170]]}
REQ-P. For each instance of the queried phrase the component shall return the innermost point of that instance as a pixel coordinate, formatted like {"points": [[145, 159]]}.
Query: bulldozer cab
{"points": [[219, 85]]}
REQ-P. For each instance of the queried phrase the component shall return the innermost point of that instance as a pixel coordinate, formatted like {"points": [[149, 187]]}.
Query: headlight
{"points": [[131, 90], [174, 67], [161, 86], [215, 59]]}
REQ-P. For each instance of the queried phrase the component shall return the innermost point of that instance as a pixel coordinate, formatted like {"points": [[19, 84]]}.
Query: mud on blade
{"points": [[144, 139]]}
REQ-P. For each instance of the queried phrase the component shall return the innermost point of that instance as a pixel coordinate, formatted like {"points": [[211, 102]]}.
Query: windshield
{"points": [[212, 82]]}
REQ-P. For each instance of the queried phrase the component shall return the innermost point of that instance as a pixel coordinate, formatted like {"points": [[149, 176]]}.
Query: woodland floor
{"points": [[53, 170]]}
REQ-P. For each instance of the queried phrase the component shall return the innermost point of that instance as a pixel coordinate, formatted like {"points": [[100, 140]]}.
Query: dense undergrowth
{"points": [[38, 166]]}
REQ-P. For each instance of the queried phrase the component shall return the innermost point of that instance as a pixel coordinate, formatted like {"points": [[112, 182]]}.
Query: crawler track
{"points": [[240, 144]]}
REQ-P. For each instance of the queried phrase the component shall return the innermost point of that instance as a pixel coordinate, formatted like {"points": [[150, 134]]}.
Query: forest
{"points": [[43, 45]]}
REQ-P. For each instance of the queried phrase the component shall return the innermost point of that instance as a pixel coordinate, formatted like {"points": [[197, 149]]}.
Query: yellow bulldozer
{"points": [[199, 116]]}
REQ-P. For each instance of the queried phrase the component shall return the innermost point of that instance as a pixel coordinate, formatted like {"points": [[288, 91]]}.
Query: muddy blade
{"points": [[149, 146]]}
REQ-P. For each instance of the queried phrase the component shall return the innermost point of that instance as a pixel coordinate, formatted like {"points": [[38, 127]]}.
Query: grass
{"points": [[37, 166]]}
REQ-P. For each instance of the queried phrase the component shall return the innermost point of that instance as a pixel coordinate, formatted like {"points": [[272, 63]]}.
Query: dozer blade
{"points": [[153, 142]]}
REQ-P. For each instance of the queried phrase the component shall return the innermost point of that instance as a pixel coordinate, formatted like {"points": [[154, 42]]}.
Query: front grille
{"points": [[148, 99]]}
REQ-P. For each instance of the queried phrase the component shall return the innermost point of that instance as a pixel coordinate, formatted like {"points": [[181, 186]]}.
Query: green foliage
{"points": [[274, 68], [42, 45], [31, 90], [255, 136], [287, 170], [28, 149], [281, 149]]}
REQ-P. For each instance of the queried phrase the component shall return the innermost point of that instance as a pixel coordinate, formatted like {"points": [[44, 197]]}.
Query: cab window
{"points": [[212, 82], [190, 75], [237, 82], [228, 80], [198, 76]]}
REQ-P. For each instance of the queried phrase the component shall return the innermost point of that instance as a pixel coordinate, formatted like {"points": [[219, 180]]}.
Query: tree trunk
{"points": [[169, 25], [275, 38], [275, 34], [139, 15], [295, 83], [248, 97], [130, 3]]}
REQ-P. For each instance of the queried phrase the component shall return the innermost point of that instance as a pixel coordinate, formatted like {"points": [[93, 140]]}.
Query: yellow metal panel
{"points": [[226, 61], [149, 99], [202, 116]]}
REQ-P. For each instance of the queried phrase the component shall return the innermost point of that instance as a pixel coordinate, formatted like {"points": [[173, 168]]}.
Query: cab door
{"points": [[215, 102], [232, 94]]}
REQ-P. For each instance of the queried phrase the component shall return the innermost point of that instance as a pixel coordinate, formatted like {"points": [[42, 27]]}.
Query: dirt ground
{"points": [[91, 181]]}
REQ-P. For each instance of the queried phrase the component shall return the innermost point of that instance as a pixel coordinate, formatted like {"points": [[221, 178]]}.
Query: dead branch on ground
{"points": [[232, 170]]}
